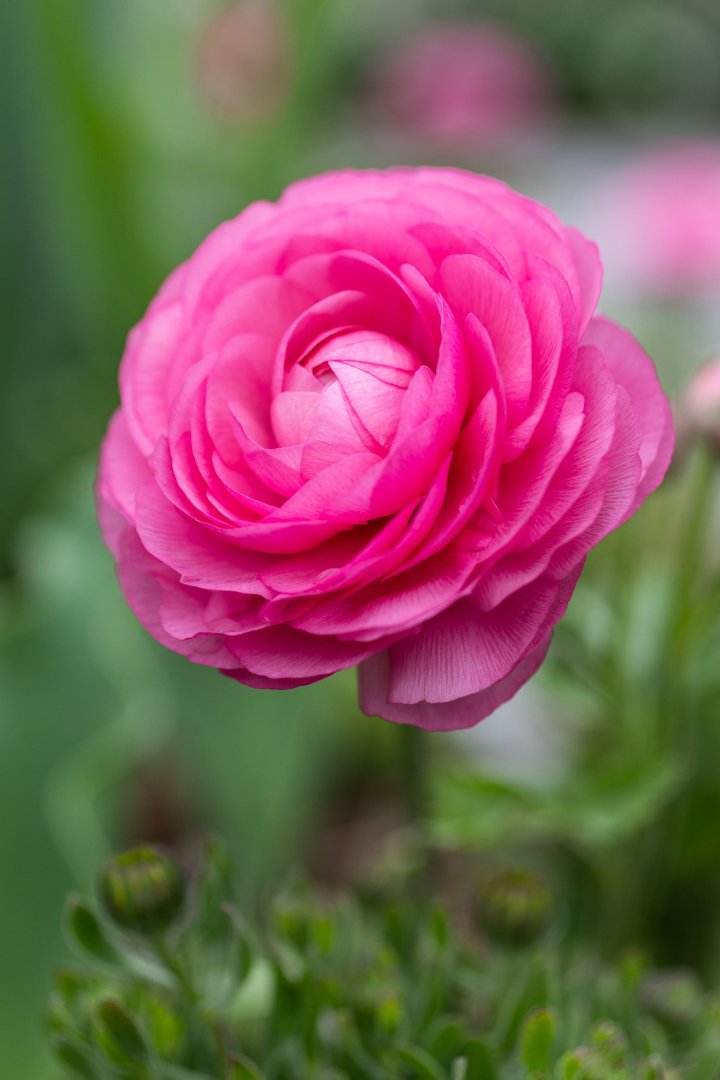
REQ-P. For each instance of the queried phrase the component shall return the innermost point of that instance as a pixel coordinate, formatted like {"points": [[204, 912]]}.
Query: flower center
{"points": [[343, 395]]}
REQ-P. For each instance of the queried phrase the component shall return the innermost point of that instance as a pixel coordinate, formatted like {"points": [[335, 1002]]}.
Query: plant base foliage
{"points": [[369, 986]]}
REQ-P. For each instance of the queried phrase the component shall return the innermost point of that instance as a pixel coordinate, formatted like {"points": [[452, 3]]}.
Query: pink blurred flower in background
{"points": [[662, 218], [377, 423], [245, 61], [700, 414], [456, 83]]}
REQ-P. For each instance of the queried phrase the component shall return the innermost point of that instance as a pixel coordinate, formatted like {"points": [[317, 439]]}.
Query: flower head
{"points": [[377, 423]]}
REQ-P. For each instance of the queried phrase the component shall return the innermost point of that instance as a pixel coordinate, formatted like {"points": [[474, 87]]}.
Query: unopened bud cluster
{"points": [[142, 890]]}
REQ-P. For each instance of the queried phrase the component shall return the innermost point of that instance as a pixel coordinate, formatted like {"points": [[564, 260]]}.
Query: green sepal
{"points": [[118, 1034], [72, 1057], [86, 933]]}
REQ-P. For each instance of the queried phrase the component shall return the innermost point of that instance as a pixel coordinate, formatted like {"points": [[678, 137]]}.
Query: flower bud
{"points": [[514, 906], [142, 890]]}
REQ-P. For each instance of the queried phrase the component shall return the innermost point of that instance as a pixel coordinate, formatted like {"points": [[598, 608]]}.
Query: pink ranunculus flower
{"points": [[377, 423], [245, 61], [455, 83], [663, 218], [700, 405]]}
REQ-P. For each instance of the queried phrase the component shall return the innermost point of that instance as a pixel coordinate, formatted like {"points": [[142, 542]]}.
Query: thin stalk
{"points": [[684, 583], [659, 845], [413, 779], [168, 958]]}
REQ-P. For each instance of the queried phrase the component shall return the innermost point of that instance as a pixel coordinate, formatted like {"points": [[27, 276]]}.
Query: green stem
{"points": [[413, 777], [659, 845], [697, 512], [413, 768], [203, 1031], [166, 956]]}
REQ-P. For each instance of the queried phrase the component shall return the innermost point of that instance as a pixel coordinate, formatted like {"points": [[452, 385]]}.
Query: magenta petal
{"points": [[374, 404], [464, 712], [144, 581], [472, 466], [525, 482], [464, 650], [264, 306], [241, 376], [199, 556], [590, 275], [635, 372], [325, 496], [553, 346], [334, 435], [145, 372], [278, 468], [283, 653], [473, 287], [406, 601], [263, 682], [122, 470]]}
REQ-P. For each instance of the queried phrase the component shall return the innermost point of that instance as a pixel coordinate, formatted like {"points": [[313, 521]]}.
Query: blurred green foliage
{"points": [[116, 166], [378, 988]]}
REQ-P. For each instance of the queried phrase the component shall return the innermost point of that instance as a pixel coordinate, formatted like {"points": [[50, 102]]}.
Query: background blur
{"points": [[131, 129]]}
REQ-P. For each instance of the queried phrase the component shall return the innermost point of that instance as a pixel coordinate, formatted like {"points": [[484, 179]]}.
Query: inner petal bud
{"points": [[351, 382]]}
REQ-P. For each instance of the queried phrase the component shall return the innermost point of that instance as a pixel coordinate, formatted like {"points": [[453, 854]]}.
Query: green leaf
{"points": [[216, 886], [176, 1072], [704, 1064], [537, 1040], [323, 932], [575, 1065], [529, 993], [440, 928], [417, 1059], [445, 1038], [241, 944], [86, 933], [72, 1057], [69, 984], [166, 1027], [480, 1061], [389, 1013], [241, 1068], [119, 1035]]}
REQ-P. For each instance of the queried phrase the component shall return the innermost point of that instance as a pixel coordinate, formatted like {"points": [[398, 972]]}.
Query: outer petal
{"points": [[464, 712], [465, 650], [122, 470], [635, 372]]}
